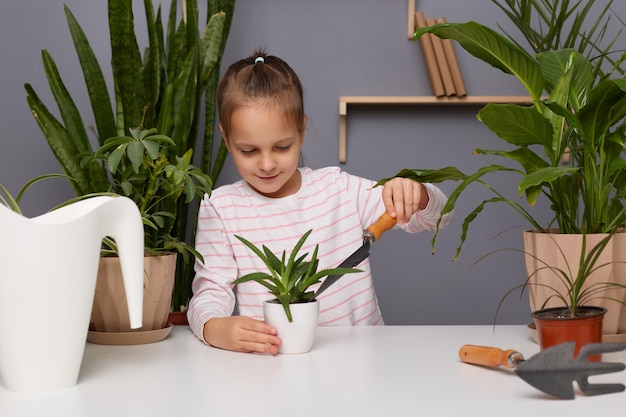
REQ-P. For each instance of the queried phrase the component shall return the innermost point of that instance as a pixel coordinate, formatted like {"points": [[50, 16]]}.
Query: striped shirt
{"points": [[337, 206]]}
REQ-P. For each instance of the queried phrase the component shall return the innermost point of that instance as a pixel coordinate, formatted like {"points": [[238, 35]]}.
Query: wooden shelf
{"points": [[344, 101]]}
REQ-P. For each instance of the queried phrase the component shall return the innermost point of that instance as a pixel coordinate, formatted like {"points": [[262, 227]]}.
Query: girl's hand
{"points": [[403, 197], [241, 334]]}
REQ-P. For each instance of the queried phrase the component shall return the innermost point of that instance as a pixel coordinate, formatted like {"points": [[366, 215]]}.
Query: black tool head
{"points": [[553, 370]]}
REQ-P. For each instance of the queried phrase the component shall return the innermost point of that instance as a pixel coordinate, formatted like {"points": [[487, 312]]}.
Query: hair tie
{"points": [[259, 59]]}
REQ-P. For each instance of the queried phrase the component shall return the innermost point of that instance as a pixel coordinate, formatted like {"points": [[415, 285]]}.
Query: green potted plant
{"points": [[165, 89], [578, 280], [294, 310], [144, 168], [576, 113]]}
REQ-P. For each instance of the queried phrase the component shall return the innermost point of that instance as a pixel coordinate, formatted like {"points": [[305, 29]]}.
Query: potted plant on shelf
{"points": [[576, 113], [165, 89], [294, 311]]}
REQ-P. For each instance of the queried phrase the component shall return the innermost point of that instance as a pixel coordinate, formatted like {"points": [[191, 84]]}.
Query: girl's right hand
{"points": [[241, 334]]}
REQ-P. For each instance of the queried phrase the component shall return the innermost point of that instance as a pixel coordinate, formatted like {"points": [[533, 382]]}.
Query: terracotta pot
{"points": [[297, 336], [556, 326], [178, 318], [109, 312], [545, 246]]}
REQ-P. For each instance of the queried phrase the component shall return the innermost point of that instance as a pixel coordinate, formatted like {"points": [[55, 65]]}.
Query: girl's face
{"points": [[265, 149]]}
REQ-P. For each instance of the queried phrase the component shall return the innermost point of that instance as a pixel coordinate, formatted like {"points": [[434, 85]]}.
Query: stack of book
{"points": [[440, 59]]}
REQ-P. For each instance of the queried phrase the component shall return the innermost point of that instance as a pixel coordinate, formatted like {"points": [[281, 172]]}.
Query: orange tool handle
{"points": [[489, 356], [384, 223]]}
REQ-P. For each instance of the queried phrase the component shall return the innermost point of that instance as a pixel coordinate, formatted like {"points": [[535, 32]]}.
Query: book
{"points": [[410, 24], [453, 63], [442, 63], [428, 53]]}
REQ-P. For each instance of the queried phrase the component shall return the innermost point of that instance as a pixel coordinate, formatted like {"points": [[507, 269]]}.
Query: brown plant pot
{"points": [[110, 311], [556, 326]]}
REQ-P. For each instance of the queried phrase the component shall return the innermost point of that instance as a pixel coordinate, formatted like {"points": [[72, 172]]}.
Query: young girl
{"points": [[262, 122]]}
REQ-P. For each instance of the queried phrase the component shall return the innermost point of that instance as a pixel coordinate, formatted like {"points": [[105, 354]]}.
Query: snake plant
{"points": [[165, 88]]}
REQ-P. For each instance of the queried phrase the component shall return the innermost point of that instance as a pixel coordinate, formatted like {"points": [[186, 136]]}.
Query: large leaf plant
{"points": [[161, 91], [574, 112]]}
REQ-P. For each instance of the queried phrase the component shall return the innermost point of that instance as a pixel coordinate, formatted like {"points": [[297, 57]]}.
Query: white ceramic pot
{"points": [[297, 336]]}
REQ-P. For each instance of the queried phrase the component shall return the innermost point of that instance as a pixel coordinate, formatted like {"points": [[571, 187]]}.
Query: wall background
{"points": [[338, 47]]}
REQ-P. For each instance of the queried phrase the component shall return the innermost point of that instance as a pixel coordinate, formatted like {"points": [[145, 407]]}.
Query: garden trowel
{"points": [[371, 234], [553, 370]]}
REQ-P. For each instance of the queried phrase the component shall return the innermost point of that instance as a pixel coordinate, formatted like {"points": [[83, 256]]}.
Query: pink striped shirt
{"points": [[336, 205]]}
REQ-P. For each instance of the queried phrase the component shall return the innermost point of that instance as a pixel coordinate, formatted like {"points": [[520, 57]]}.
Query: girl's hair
{"points": [[260, 77]]}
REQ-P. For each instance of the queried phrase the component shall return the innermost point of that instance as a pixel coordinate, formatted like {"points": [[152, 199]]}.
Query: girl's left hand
{"points": [[403, 197]]}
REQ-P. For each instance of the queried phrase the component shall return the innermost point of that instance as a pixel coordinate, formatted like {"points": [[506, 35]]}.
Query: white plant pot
{"points": [[297, 336], [48, 268]]}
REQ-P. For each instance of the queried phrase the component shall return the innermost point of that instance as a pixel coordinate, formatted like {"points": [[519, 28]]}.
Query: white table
{"points": [[351, 371]]}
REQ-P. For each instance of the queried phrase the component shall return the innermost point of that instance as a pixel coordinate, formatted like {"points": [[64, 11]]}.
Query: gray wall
{"points": [[338, 47]]}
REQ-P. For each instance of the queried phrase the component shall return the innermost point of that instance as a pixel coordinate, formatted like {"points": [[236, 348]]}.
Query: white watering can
{"points": [[48, 270]]}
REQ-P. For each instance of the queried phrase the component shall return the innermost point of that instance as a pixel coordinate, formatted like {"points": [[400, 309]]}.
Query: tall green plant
{"points": [[161, 89], [582, 116], [549, 25], [209, 162]]}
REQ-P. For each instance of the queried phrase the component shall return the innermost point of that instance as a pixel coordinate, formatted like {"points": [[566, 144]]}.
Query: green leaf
{"points": [[76, 134], [543, 176], [494, 49], [211, 45], [433, 176], [518, 125], [67, 107], [134, 151], [151, 71], [115, 158], [184, 99], [295, 251], [126, 61], [94, 80], [63, 148], [605, 105], [556, 63], [152, 148], [207, 164], [529, 160], [166, 120]]}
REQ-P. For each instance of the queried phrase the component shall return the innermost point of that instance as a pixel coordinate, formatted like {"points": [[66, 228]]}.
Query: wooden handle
{"points": [[384, 223], [489, 356]]}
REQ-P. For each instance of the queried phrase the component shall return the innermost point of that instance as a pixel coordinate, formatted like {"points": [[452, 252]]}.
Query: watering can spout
{"points": [[123, 223]]}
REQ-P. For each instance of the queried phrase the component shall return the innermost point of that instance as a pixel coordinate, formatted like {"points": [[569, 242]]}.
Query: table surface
{"points": [[351, 371]]}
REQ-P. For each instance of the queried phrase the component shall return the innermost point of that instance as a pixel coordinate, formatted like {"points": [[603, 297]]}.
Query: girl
{"points": [[262, 122]]}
